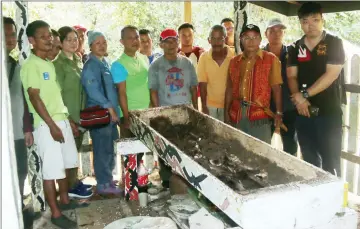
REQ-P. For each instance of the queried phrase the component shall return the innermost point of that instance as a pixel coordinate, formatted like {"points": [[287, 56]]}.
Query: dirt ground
{"points": [[226, 159]]}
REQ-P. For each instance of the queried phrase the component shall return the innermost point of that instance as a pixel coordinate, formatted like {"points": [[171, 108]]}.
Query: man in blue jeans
{"points": [[275, 32], [314, 65]]}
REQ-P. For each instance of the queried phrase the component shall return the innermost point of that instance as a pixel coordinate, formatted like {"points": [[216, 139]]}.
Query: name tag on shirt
{"points": [[46, 76]]}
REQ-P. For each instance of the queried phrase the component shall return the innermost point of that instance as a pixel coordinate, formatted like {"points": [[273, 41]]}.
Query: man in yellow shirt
{"points": [[212, 73]]}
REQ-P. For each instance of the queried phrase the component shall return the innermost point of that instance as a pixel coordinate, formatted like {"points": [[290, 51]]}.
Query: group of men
{"points": [[258, 91]]}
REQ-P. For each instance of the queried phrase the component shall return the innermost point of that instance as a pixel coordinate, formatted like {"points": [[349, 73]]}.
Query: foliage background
{"points": [[110, 17]]}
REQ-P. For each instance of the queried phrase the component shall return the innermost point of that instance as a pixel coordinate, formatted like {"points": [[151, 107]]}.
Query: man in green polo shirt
{"points": [[130, 74], [53, 131]]}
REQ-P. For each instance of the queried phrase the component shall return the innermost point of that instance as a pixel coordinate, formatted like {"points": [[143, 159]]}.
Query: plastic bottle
{"points": [[142, 179]]}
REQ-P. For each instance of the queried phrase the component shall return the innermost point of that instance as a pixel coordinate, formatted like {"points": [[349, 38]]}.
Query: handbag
{"points": [[95, 116]]}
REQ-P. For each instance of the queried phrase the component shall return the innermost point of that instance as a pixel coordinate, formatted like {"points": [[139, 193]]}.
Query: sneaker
{"points": [[63, 222], [114, 183], [108, 189], [80, 193], [88, 187]]}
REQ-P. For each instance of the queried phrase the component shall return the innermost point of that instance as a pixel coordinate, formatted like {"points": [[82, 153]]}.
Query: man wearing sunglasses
{"points": [[253, 76]]}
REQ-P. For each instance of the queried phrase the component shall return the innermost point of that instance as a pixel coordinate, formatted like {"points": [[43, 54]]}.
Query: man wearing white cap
{"points": [[275, 32]]}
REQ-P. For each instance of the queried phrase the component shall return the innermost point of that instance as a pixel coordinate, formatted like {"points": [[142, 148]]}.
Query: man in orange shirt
{"points": [[212, 72], [253, 75]]}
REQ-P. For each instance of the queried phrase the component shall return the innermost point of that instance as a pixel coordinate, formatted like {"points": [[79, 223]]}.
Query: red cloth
{"points": [[259, 93], [80, 27], [196, 50]]}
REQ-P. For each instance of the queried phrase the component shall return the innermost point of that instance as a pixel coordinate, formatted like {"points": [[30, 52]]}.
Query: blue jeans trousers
{"points": [[104, 152]]}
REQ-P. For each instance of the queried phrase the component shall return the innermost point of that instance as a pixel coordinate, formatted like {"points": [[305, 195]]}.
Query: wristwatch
{"points": [[305, 94]]}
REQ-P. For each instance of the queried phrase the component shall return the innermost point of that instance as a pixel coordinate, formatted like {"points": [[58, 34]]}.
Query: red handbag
{"points": [[96, 116]]}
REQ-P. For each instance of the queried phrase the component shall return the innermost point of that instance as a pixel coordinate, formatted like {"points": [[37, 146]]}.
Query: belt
{"points": [[245, 103]]}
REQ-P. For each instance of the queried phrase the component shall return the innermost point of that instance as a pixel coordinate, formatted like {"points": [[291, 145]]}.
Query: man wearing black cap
{"points": [[253, 75], [275, 32], [314, 65]]}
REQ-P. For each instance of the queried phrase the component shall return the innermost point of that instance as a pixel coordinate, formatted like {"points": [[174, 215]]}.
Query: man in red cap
{"points": [[172, 81], [81, 30], [172, 77], [253, 76]]}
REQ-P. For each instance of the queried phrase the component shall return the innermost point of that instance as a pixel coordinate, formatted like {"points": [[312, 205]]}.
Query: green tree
{"points": [[110, 17]]}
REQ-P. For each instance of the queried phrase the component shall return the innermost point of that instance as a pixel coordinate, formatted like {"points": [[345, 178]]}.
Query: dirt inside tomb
{"points": [[227, 159]]}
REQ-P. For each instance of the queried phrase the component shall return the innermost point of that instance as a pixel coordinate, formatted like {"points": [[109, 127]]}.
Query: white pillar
{"points": [[240, 20], [22, 21], [34, 161], [11, 200]]}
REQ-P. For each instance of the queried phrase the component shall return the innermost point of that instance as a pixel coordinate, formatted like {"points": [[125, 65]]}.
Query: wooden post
{"points": [[187, 11], [240, 20]]}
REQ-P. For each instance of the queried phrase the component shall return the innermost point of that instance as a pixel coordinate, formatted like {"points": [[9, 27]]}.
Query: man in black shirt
{"points": [[314, 64]]}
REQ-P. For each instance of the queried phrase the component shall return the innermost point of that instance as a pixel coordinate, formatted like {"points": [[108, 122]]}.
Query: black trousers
{"points": [[320, 140]]}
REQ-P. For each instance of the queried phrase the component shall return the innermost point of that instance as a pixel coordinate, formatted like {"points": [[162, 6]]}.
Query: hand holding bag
{"points": [[96, 116]]}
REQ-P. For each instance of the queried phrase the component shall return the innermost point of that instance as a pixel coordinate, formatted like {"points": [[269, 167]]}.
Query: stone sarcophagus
{"points": [[256, 185]]}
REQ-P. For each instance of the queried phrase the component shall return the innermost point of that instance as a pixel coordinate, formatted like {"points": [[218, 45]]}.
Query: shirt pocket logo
{"points": [[46, 76]]}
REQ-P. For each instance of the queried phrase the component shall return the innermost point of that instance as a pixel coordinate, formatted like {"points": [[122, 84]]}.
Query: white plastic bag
{"points": [[142, 222], [276, 141]]}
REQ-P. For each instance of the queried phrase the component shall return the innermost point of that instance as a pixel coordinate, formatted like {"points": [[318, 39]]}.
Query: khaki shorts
{"points": [[56, 156]]}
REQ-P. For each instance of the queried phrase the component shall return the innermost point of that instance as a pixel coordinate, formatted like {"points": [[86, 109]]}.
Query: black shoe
{"points": [[28, 218], [72, 205], [63, 222]]}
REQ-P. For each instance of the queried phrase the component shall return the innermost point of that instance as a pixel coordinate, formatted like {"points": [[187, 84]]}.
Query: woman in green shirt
{"points": [[68, 68]]}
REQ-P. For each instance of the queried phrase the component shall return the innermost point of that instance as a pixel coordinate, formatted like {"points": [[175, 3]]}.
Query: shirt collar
{"points": [[228, 55], [283, 49], [302, 40], [130, 57], [93, 57], [258, 53], [64, 57], [35, 56]]}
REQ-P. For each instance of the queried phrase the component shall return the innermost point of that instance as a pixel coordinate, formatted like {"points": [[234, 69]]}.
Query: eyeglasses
{"points": [[213, 39], [247, 38]]}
